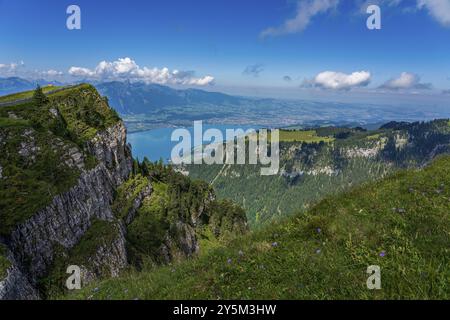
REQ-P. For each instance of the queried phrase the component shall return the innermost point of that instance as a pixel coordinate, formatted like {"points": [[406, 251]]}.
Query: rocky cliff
{"points": [[99, 164], [33, 243], [68, 217]]}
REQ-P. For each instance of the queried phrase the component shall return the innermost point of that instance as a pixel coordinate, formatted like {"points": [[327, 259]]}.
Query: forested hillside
{"points": [[322, 161]]}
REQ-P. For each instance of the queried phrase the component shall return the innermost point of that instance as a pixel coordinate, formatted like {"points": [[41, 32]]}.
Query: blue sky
{"points": [[301, 46]]}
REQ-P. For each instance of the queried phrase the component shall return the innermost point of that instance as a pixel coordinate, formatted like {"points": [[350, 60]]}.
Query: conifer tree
{"points": [[39, 98]]}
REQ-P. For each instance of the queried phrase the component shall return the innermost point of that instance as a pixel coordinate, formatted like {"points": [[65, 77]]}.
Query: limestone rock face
{"points": [[28, 148], [108, 260], [184, 245], [16, 284], [67, 218], [110, 148]]}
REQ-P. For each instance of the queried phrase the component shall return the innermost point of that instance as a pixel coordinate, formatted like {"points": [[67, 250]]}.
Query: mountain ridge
{"points": [[73, 194], [311, 169]]}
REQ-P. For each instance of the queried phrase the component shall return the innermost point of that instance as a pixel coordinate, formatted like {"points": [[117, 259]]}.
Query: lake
{"points": [[156, 144]]}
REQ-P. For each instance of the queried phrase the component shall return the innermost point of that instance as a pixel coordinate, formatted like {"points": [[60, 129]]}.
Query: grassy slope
{"points": [[302, 136], [25, 94], [401, 223], [309, 136]]}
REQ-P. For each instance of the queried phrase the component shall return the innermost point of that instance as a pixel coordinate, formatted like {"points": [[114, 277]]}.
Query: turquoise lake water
{"points": [[156, 144]]}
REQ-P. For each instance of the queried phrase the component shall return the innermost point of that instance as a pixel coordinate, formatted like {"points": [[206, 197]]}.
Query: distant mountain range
{"points": [[141, 98], [146, 106]]}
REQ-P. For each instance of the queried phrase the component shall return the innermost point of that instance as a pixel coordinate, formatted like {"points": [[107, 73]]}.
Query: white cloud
{"points": [[126, 68], [438, 9], [10, 69], [81, 72], [207, 80], [406, 80], [52, 73], [17, 69], [338, 80], [306, 10]]}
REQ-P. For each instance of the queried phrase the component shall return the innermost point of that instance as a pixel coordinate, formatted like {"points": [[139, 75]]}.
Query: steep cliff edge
{"points": [[73, 150], [71, 194]]}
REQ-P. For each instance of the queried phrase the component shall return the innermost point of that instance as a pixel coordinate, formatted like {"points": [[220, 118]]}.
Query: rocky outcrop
{"points": [[28, 148], [107, 261], [197, 215], [183, 245], [110, 148], [137, 202], [16, 285]]}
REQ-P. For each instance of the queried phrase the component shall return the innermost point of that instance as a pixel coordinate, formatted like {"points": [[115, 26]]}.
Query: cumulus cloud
{"points": [[17, 69], [287, 78], [81, 72], [52, 73], [338, 80], [406, 80], [438, 9], [253, 70], [128, 69], [10, 69], [306, 10]]}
